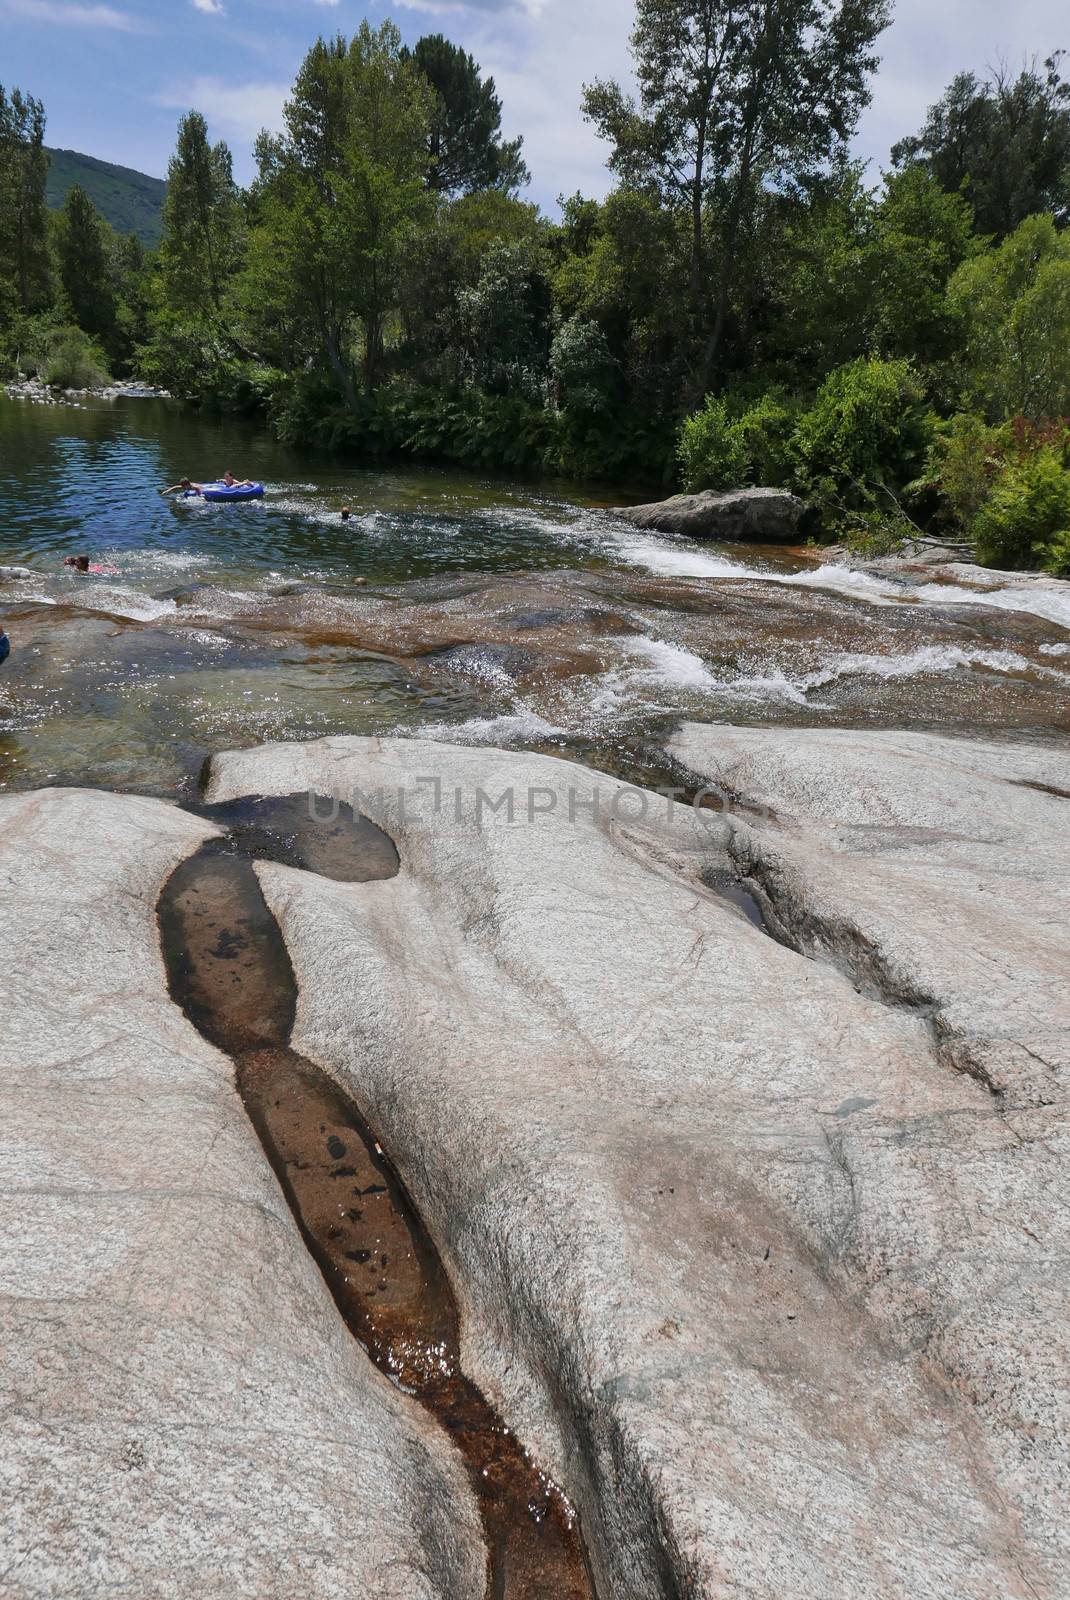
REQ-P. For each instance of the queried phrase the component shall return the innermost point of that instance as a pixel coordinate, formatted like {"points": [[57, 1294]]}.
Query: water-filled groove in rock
{"points": [[228, 968]]}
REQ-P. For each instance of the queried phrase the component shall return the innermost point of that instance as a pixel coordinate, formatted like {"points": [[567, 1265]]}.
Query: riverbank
{"points": [[45, 394]]}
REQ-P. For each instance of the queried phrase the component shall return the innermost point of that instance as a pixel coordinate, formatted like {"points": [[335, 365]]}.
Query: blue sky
{"points": [[116, 74]]}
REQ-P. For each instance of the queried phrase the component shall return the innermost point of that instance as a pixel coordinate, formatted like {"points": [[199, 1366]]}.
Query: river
{"points": [[451, 606]]}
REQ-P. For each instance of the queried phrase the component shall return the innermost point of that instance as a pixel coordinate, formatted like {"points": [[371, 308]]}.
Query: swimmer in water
{"points": [[83, 564], [236, 483], [346, 513], [185, 487]]}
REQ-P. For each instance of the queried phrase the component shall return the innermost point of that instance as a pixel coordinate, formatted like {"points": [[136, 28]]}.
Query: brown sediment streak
{"points": [[229, 969]]}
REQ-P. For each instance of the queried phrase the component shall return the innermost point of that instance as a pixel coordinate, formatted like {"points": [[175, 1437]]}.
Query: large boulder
{"points": [[184, 1411], [768, 1285], [767, 516]]}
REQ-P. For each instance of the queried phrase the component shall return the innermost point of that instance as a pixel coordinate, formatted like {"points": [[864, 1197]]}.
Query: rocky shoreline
{"points": [[44, 394], [752, 1237]]}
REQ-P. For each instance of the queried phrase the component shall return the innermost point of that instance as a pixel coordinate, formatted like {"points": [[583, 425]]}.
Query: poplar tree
{"points": [[85, 264], [200, 249], [338, 196], [736, 97], [24, 262]]}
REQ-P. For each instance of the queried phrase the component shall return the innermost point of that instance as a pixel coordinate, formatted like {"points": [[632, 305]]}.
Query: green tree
{"points": [[200, 249], [444, 260], [921, 236], [465, 149], [131, 273], [734, 96], [582, 368], [83, 249], [1004, 141], [24, 263], [508, 320], [338, 197], [1014, 302]]}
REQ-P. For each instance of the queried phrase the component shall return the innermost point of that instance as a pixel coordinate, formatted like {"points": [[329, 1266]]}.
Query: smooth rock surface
{"points": [[936, 874], [738, 514], [768, 1287], [184, 1412]]}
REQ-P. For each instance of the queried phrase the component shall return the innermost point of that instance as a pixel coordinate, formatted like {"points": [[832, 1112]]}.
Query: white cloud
{"points": [[540, 61], [67, 13], [240, 110], [211, 8]]}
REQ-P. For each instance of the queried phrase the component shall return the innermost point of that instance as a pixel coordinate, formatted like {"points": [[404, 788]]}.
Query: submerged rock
{"points": [[740, 514], [753, 1270], [184, 1410]]}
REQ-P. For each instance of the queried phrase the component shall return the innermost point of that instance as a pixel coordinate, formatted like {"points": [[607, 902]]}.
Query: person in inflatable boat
{"points": [[235, 483]]}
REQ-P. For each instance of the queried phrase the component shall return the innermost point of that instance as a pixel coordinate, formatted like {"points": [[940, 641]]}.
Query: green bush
{"points": [[766, 430], [712, 449], [964, 461], [867, 431], [70, 359], [1026, 519], [1057, 554]]}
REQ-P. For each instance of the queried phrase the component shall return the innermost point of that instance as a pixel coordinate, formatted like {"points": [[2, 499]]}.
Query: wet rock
{"points": [[184, 1411], [716, 1305], [760, 514]]}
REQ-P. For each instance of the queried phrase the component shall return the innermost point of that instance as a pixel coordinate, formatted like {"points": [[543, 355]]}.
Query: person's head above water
{"points": [[79, 563], [185, 484], [228, 477], [346, 513]]}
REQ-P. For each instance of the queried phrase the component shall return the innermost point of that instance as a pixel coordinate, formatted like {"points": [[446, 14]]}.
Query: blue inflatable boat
{"points": [[238, 491]]}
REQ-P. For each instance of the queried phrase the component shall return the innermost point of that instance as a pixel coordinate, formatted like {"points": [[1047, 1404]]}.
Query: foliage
{"points": [[83, 255], [1014, 303], [746, 306], [875, 532], [1057, 554], [130, 201], [581, 366], [1026, 518], [507, 321], [339, 195], [867, 432], [1005, 142], [200, 248], [964, 460], [735, 97], [25, 270], [712, 450], [465, 152], [724, 447], [63, 355]]}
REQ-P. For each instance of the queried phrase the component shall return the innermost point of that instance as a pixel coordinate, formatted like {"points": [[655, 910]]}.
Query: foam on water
{"points": [[669, 556], [659, 676], [1049, 600], [517, 727]]}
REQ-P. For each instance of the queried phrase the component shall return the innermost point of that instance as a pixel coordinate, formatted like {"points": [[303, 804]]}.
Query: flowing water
{"points": [[451, 607]]}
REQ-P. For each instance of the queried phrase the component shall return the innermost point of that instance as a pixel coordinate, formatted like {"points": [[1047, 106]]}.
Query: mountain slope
{"points": [[131, 201]]}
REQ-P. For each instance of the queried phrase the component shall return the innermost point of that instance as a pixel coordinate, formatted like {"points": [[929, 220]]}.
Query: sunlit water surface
{"points": [[450, 606]]}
